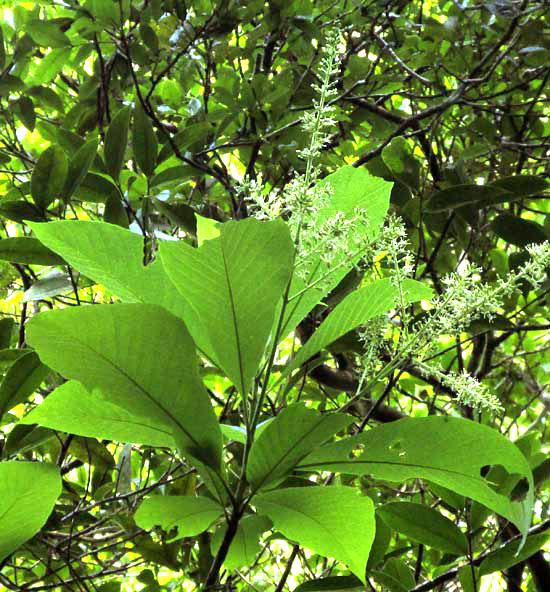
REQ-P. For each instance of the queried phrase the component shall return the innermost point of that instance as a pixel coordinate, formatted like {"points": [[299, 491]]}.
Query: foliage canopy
{"points": [[275, 299]]}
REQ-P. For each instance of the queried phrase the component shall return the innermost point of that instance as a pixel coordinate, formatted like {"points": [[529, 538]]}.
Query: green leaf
{"points": [[356, 309], [28, 492], [10, 355], [49, 66], [144, 142], [380, 544], [24, 438], [172, 176], [331, 584], [48, 176], [27, 250], [47, 34], [10, 84], [246, 544], [293, 434], [424, 525], [468, 577], [46, 97], [232, 285], [446, 450], [512, 553], [96, 188], [398, 156], [76, 410], [149, 37], [351, 188], [207, 229], [521, 185], [54, 284], [395, 577], [517, 231], [113, 257], [7, 326], [461, 195], [21, 380], [20, 210], [180, 214], [116, 141], [115, 212], [143, 358], [232, 432], [25, 110], [190, 515], [332, 521], [78, 167]]}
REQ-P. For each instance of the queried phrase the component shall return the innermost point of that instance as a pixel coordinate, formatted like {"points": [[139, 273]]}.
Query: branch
{"points": [[453, 573]]}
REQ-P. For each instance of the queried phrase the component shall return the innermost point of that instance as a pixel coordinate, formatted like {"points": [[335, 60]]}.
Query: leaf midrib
{"points": [[140, 388], [234, 316], [286, 453], [393, 463]]}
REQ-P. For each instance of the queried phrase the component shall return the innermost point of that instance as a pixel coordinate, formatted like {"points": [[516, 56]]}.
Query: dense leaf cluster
{"points": [[222, 362]]}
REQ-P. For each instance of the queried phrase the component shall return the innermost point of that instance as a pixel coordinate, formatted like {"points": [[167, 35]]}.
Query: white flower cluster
{"points": [[393, 240], [372, 335], [323, 241], [326, 240], [336, 241], [467, 389], [268, 206], [464, 300], [534, 270], [317, 122]]}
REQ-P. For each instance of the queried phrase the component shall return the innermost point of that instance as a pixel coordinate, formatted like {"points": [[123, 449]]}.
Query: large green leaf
{"points": [[424, 525], [332, 521], [521, 185], [143, 358], [79, 166], [190, 515], [501, 191], [47, 33], [512, 553], [21, 380], [24, 249], [116, 140], [351, 188], [48, 176], [467, 194], [518, 231], [20, 210], [396, 576], [50, 65], [144, 142], [52, 284], [232, 284], [113, 257], [446, 450], [293, 434], [246, 543], [28, 492], [74, 409], [356, 309]]}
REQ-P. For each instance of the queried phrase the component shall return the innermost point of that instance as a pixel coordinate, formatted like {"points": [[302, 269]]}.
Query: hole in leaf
{"points": [[484, 470], [356, 451], [396, 446]]}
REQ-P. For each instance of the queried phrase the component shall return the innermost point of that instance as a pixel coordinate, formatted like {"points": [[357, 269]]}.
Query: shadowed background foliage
{"points": [[147, 115]]}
